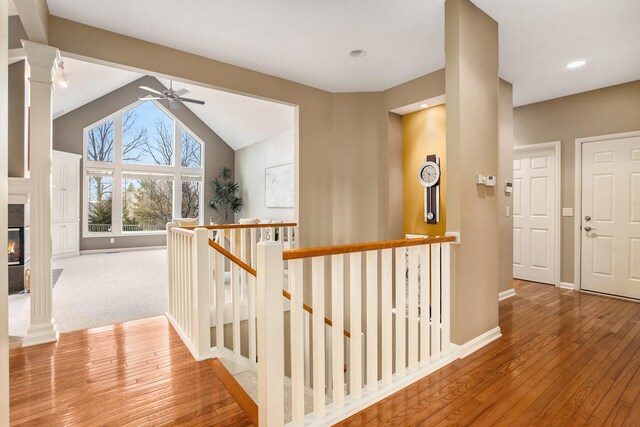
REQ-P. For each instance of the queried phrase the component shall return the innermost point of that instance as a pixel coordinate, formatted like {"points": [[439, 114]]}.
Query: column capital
{"points": [[43, 60]]}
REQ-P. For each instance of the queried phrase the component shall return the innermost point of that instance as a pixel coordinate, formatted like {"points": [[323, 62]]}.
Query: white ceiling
{"points": [[239, 120], [304, 41], [309, 42], [87, 81], [12, 9], [538, 38]]}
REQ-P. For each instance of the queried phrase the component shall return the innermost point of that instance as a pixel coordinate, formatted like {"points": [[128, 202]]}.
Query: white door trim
{"points": [[543, 146], [577, 205]]}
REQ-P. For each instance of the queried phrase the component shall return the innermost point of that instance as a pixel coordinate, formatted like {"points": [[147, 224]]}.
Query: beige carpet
{"points": [[101, 289]]}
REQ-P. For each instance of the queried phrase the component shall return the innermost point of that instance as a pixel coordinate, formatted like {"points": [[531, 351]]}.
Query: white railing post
{"points": [[270, 334], [170, 266], [446, 297], [201, 310]]}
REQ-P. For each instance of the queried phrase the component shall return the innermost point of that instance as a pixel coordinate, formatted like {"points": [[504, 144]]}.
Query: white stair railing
{"points": [[421, 311]]}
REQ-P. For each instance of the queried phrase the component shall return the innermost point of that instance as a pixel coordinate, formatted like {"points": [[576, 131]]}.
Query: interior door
{"points": [[71, 184], [57, 196], [534, 212], [610, 232]]}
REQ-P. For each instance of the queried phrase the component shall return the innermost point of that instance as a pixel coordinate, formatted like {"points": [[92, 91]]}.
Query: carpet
{"points": [[101, 289]]}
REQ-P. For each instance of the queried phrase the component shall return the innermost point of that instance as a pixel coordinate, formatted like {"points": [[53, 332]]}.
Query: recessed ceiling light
{"points": [[358, 53], [576, 64], [424, 105]]}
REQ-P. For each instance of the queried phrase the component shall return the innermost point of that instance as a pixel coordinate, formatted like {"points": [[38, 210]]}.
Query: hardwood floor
{"points": [[565, 358], [134, 373]]}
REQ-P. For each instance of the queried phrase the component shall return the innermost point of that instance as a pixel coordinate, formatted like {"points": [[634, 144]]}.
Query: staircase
{"points": [[369, 319]]}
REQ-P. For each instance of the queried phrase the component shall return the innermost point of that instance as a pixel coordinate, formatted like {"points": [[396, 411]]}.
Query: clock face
{"points": [[429, 174]]}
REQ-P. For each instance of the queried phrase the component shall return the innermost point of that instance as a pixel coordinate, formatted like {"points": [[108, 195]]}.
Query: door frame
{"points": [[556, 146], [577, 206]]}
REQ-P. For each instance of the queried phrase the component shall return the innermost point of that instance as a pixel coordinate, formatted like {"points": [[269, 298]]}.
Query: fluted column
{"points": [[43, 61]]}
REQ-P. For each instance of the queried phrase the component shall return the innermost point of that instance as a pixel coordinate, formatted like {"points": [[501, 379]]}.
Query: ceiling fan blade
{"points": [[152, 97], [193, 101], [148, 89], [181, 92]]}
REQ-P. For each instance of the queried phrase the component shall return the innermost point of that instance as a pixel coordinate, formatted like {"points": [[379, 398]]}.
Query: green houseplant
{"points": [[225, 200]]}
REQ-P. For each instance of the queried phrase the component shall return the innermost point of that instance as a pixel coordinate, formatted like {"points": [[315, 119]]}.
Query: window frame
{"points": [[118, 168]]}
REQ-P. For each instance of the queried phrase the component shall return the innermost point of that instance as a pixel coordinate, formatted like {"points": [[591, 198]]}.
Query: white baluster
{"points": [[372, 320], [170, 266], [220, 300], [446, 296], [413, 308], [317, 285], [401, 266], [235, 294], [252, 317], [424, 303], [435, 301], [254, 243], [337, 331], [270, 335], [243, 257], [387, 315], [307, 349], [297, 342], [355, 315]]}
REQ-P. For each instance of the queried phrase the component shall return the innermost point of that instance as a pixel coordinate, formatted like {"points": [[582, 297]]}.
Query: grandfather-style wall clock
{"points": [[429, 175]]}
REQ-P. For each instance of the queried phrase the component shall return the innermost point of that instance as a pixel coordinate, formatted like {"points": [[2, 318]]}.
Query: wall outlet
{"points": [[113, 240], [567, 211]]}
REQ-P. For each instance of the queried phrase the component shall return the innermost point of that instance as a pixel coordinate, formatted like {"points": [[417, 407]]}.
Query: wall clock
{"points": [[429, 176]]}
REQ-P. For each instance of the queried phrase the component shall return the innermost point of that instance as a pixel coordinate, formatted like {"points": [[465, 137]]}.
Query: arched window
{"points": [[142, 167]]}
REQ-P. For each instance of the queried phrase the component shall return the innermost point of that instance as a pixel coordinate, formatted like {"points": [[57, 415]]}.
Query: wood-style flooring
{"points": [[135, 373], [565, 358]]}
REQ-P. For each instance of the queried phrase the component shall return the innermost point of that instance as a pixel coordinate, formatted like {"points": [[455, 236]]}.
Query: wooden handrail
{"points": [[240, 226], [246, 267], [362, 247], [243, 265]]}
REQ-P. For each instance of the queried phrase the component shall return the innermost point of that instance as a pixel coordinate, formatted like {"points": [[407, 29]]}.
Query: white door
{"points": [[534, 214], [57, 196], [57, 238], [610, 234], [71, 174], [71, 237]]}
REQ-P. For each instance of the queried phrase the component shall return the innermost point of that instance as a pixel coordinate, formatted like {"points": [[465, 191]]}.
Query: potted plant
{"points": [[225, 199]]}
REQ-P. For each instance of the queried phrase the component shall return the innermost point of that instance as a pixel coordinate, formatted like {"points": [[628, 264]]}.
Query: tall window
{"points": [[143, 167]]}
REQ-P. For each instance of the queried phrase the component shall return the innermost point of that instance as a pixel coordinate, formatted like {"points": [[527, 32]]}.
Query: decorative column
{"points": [[43, 61]]}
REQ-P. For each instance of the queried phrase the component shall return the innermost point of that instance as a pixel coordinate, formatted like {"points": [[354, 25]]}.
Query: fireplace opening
{"points": [[15, 247]]}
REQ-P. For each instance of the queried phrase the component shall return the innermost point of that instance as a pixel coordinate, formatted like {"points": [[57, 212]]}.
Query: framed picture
{"points": [[279, 186]]}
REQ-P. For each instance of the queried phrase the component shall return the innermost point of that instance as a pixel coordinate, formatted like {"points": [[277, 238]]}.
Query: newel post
{"points": [[270, 334], [201, 297]]}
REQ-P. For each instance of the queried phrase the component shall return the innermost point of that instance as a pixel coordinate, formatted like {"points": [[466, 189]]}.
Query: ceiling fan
{"points": [[174, 97]]}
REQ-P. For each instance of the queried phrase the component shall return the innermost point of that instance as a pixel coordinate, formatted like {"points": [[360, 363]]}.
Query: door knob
{"points": [[587, 228]]}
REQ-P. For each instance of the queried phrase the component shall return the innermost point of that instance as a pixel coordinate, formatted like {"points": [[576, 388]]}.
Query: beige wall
{"points": [[16, 33], [604, 111], [423, 133], [250, 165], [68, 136], [17, 109], [505, 174], [471, 46]]}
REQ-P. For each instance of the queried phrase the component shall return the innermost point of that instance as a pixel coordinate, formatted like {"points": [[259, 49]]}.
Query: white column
{"points": [[43, 61]]}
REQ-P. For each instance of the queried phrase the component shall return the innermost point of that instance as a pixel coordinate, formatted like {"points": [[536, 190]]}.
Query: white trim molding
{"points": [[506, 294], [557, 148], [478, 342], [567, 285], [577, 202], [116, 249]]}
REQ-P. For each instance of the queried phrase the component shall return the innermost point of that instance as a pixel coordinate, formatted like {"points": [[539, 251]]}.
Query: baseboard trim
{"points": [[566, 285], [478, 342], [111, 250], [506, 294]]}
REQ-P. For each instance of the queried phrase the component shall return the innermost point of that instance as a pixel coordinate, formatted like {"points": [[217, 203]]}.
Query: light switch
{"points": [[567, 211]]}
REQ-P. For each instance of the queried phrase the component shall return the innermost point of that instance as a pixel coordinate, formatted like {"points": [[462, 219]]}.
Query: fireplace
{"points": [[18, 247]]}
